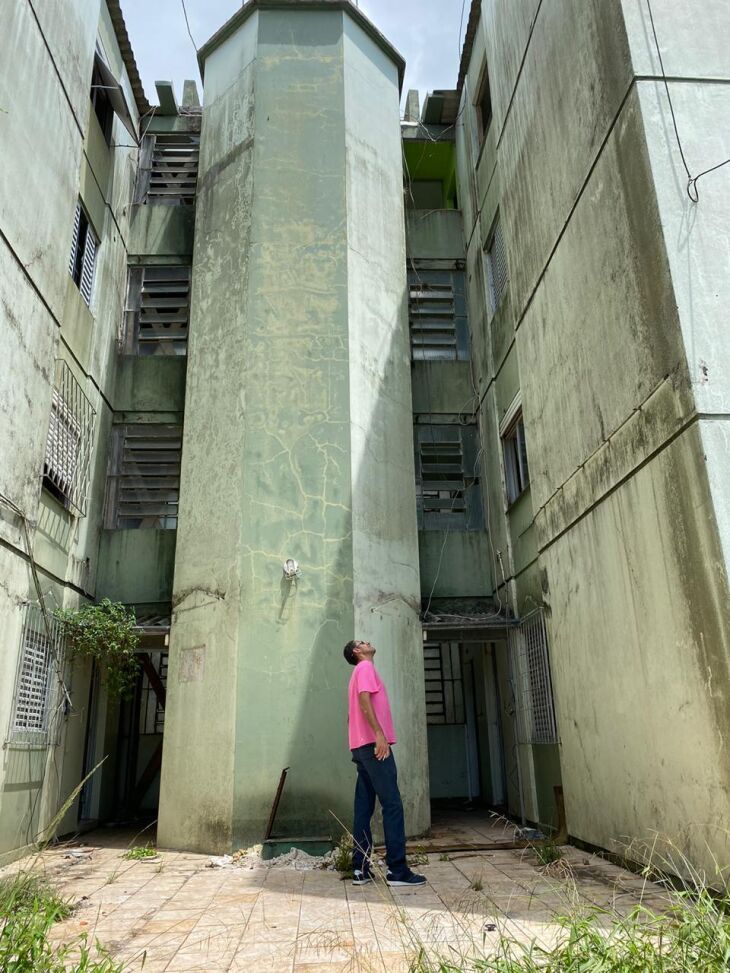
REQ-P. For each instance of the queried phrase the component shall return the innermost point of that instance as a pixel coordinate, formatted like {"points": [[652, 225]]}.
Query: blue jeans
{"points": [[378, 778]]}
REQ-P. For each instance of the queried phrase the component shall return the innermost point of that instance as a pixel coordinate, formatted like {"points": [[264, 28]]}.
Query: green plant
{"points": [[443, 857], [419, 856], [29, 906], [342, 856], [104, 632], [548, 852], [139, 852], [477, 885]]}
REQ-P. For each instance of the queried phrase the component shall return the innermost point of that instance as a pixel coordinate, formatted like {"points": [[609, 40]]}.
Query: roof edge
{"points": [[231, 25], [470, 34], [125, 49]]}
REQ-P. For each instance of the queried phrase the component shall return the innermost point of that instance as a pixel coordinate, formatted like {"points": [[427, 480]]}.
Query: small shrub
{"points": [[140, 852], [342, 856], [548, 852], [105, 632]]}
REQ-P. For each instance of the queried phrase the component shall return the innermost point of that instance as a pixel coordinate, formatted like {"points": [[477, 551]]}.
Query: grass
{"points": [[688, 933], [29, 906], [139, 852], [548, 852], [342, 857]]}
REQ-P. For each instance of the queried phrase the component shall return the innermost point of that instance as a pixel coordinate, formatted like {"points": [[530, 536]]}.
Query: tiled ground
{"points": [[178, 914]]}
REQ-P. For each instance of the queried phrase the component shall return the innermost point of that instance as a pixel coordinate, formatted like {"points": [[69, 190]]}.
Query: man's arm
{"points": [[382, 747]]}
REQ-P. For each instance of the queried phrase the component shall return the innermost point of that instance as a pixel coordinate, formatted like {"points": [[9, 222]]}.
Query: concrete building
{"points": [[453, 383]]}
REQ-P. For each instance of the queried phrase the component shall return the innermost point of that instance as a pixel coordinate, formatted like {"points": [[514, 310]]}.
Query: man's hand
{"points": [[382, 747]]}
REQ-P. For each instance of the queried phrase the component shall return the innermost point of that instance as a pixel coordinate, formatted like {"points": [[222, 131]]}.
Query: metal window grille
{"points": [[41, 656], [158, 309], [530, 661], [68, 446], [444, 683], [448, 494], [497, 270], [143, 487], [517, 472], [82, 261], [172, 175], [152, 713]]}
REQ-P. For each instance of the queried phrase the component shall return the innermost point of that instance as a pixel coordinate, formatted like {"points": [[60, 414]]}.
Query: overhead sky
{"points": [[426, 32]]}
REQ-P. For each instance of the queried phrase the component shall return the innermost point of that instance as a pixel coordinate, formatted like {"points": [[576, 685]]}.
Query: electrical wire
{"points": [[187, 24], [692, 190]]}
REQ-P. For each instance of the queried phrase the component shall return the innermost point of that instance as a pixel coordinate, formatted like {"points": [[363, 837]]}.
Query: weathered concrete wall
{"points": [[45, 72], [297, 406], [610, 328]]}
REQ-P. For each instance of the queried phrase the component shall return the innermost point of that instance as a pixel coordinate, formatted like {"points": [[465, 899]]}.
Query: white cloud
{"points": [[426, 32]]}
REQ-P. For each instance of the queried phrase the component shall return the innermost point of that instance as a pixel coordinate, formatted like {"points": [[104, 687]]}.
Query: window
{"points": [[516, 470], [496, 264], [447, 477], [158, 305], [68, 445], [437, 315], [41, 652], [444, 685], [483, 107], [101, 101], [143, 486], [168, 169], [530, 674], [84, 245]]}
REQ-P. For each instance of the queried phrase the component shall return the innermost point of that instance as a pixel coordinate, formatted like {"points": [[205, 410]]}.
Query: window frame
{"points": [[84, 252], [69, 440], [44, 635], [514, 454], [484, 90], [495, 257]]}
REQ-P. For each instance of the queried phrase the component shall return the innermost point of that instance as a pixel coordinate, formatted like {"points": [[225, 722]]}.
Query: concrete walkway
{"points": [[179, 914]]}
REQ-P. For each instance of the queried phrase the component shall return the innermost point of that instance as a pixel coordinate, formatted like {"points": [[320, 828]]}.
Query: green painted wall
{"points": [[294, 410]]}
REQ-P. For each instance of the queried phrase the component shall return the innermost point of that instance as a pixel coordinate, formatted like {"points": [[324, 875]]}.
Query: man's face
{"points": [[364, 650]]}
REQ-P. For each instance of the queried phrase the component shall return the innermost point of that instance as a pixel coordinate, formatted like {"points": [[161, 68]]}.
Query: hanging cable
{"points": [[692, 181]]}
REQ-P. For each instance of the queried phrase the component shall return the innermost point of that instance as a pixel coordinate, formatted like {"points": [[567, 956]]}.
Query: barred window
{"points": [[514, 449], [168, 170], [447, 477], [158, 308], [84, 246], [68, 446], [143, 486], [437, 315], [40, 656], [496, 265], [444, 684], [530, 668]]}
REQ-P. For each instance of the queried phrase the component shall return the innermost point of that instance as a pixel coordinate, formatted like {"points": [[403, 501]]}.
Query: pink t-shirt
{"points": [[366, 680]]}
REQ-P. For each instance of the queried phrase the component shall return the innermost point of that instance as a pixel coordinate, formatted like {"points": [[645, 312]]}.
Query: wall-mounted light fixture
{"points": [[291, 569]]}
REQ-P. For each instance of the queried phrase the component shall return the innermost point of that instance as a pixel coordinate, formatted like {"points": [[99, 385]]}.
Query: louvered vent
{"points": [[173, 174], [144, 482], [158, 307], [497, 270], [433, 330]]}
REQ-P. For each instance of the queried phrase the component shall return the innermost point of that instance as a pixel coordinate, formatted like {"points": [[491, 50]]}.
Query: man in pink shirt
{"points": [[372, 735]]}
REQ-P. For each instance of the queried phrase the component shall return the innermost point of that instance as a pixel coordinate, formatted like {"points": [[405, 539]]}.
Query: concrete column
{"points": [[298, 439]]}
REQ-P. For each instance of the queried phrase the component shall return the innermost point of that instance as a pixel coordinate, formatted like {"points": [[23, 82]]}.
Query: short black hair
{"points": [[349, 653]]}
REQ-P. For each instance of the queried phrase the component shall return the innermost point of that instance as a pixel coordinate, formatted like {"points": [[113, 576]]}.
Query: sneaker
{"points": [[361, 878], [407, 879]]}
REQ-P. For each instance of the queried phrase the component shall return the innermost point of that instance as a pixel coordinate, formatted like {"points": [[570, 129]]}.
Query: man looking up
{"points": [[371, 736]]}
